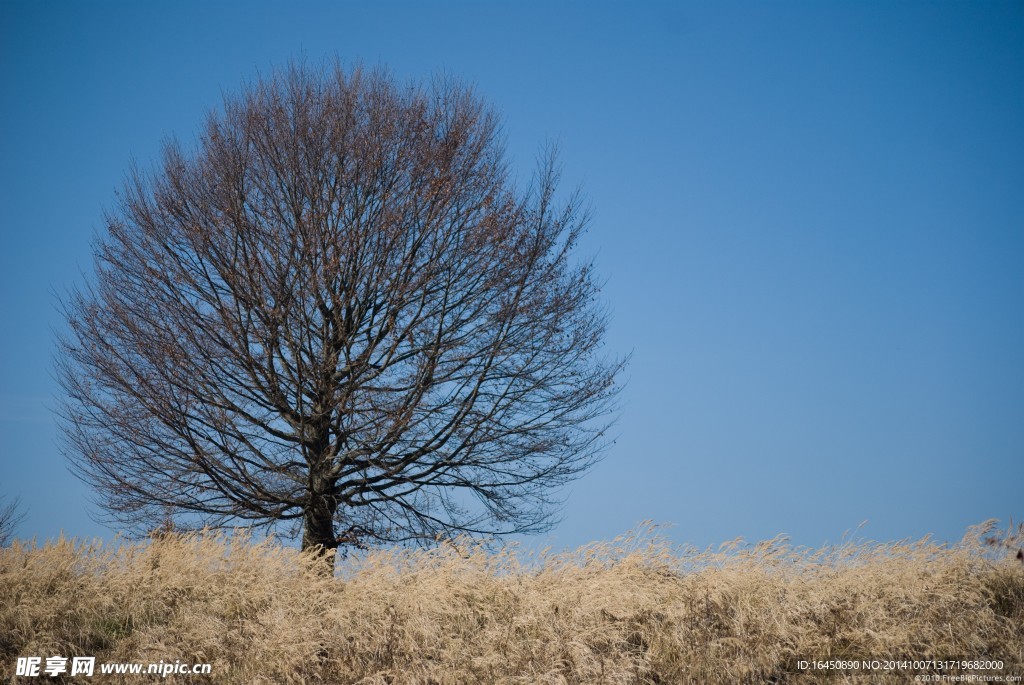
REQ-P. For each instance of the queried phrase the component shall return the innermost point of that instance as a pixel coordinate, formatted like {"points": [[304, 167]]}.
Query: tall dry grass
{"points": [[630, 611]]}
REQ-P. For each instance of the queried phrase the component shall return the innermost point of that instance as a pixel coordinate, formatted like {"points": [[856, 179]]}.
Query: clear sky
{"points": [[810, 216]]}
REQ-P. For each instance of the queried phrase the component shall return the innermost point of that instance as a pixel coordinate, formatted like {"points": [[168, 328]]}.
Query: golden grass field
{"points": [[633, 610]]}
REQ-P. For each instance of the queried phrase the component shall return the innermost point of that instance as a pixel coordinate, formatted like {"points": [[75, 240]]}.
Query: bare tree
{"points": [[338, 312], [11, 514]]}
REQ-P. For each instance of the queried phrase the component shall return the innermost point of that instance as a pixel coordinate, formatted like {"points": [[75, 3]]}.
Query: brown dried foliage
{"points": [[629, 611]]}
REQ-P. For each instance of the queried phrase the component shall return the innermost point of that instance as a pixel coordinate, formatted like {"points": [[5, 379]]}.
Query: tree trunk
{"points": [[318, 523]]}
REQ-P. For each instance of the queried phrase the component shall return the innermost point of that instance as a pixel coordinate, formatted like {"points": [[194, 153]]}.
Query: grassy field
{"points": [[633, 610]]}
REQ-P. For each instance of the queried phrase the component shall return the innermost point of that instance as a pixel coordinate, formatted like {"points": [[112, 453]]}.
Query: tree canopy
{"points": [[338, 313]]}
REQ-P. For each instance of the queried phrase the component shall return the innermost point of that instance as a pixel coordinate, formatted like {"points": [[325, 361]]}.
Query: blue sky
{"points": [[810, 216]]}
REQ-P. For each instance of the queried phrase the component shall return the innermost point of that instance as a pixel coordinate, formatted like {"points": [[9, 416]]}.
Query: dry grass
{"points": [[629, 611]]}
